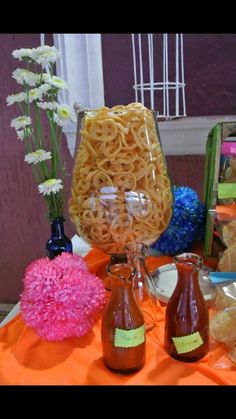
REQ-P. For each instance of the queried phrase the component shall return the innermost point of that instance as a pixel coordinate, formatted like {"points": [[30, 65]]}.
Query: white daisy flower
{"points": [[44, 88], [56, 82], [45, 55], [64, 115], [22, 76], [23, 53], [21, 122], [20, 134], [38, 156], [47, 105], [45, 76], [19, 97], [34, 94], [50, 186]]}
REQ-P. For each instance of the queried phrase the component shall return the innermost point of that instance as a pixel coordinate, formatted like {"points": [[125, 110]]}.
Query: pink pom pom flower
{"points": [[61, 298]]}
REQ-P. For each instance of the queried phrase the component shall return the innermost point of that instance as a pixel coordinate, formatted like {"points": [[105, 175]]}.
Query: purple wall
{"points": [[24, 228], [187, 171], [210, 71]]}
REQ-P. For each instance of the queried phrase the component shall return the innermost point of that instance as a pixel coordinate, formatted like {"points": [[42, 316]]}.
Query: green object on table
{"points": [[219, 133], [226, 190], [211, 175]]}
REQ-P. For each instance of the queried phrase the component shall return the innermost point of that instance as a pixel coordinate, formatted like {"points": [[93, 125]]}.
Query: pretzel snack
{"points": [[121, 191]]}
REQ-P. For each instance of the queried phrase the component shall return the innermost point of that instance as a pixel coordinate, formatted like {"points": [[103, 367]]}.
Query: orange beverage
{"points": [[123, 329], [187, 320]]}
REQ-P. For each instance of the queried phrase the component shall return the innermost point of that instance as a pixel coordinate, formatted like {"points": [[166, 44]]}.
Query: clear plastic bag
{"points": [[227, 174], [225, 231], [227, 259], [225, 226], [227, 169], [225, 296], [223, 326]]}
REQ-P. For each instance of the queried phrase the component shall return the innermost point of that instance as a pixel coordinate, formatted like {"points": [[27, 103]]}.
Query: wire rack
{"points": [[159, 57]]}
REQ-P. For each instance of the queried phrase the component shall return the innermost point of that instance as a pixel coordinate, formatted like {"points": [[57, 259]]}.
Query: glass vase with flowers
{"points": [[41, 112]]}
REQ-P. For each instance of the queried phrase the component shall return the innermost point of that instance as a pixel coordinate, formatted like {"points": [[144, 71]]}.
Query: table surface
{"points": [[27, 359]]}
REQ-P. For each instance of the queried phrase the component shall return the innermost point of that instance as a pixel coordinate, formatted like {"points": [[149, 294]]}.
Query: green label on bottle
{"points": [[184, 344], [129, 338]]}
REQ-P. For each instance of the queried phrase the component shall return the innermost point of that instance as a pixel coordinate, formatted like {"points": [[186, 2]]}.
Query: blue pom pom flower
{"points": [[187, 224]]}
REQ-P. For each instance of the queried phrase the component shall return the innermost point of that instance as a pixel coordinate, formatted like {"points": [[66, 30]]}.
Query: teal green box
{"points": [[212, 191]]}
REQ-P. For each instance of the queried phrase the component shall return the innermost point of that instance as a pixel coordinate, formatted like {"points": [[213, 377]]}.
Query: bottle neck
{"points": [[121, 276], [138, 261], [187, 275], [57, 227], [122, 290], [123, 307]]}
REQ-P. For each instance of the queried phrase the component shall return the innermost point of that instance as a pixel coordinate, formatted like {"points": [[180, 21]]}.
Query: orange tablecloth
{"points": [[27, 359]]}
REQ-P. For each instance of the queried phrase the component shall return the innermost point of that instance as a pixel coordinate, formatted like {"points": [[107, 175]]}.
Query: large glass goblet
{"points": [[121, 191]]}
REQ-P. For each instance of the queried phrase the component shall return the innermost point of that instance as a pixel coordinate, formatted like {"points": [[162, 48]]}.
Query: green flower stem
{"points": [[44, 168], [41, 78], [36, 174], [38, 125], [38, 122], [41, 174], [27, 101], [58, 149], [28, 145], [28, 113], [21, 108], [34, 139], [50, 69], [41, 165], [55, 205], [59, 198], [53, 136], [53, 144]]}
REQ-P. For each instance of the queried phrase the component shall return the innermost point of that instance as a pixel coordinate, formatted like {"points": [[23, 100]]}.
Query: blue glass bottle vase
{"points": [[58, 241]]}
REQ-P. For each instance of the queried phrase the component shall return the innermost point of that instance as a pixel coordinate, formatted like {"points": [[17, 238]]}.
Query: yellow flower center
{"points": [[49, 182], [37, 153], [33, 92], [47, 54], [64, 113], [26, 72]]}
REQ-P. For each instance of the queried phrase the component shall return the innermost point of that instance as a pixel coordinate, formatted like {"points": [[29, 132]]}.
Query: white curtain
{"points": [[81, 66]]}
